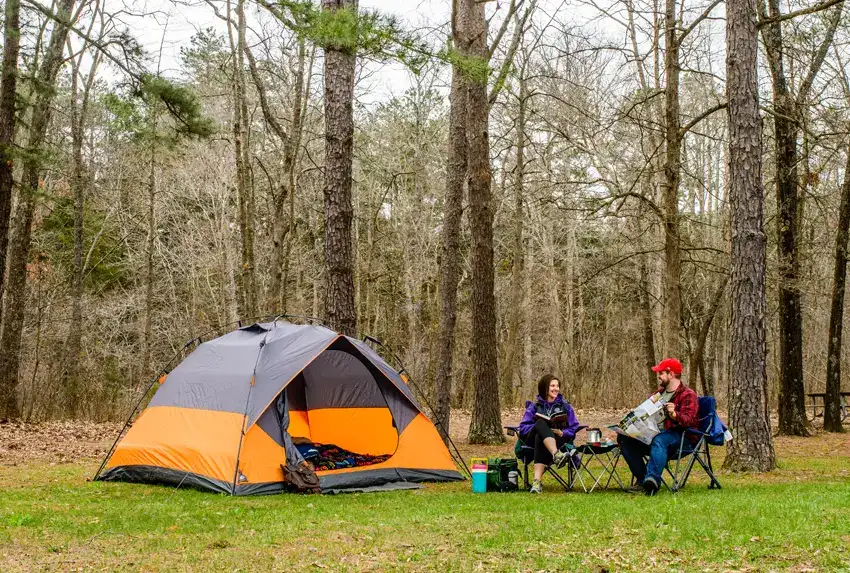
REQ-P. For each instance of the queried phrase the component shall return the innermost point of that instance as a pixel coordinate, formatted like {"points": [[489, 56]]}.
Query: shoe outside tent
{"points": [[236, 409]]}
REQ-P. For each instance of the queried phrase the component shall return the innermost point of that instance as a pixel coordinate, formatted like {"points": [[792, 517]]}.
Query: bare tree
{"points": [[15, 300], [8, 83], [340, 60], [242, 151], [486, 426], [80, 185], [284, 214], [832, 410], [517, 290], [752, 447], [786, 124], [452, 212]]}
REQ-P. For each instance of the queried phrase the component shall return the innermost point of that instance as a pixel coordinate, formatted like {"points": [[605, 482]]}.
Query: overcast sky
{"points": [[167, 26]]}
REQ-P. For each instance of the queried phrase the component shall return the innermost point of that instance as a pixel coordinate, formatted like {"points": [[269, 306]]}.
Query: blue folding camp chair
{"points": [[709, 432], [686, 454]]}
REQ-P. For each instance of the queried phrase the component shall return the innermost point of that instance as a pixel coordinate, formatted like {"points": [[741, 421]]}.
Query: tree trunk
{"points": [[291, 163], [73, 340], [339, 142], [792, 406], [11, 48], [832, 400], [286, 194], [15, 300], [698, 362], [79, 184], [241, 147], [486, 424], [150, 278], [670, 188], [752, 446], [514, 349], [646, 317], [450, 255], [792, 419]]}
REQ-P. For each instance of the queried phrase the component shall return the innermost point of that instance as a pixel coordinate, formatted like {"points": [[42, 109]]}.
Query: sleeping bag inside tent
{"points": [[237, 408]]}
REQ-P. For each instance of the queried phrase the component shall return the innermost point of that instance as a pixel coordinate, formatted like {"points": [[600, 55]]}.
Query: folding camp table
{"points": [[598, 462]]}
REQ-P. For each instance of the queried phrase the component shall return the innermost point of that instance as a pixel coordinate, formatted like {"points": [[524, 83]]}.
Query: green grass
{"points": [[796, 519]]}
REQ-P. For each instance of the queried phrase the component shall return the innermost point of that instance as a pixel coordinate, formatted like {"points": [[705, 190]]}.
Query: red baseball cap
{"points": [[670, 364]]}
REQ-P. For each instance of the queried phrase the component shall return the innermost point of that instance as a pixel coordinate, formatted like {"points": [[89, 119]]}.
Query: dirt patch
{"points": [[68, 441], [55, 442]]}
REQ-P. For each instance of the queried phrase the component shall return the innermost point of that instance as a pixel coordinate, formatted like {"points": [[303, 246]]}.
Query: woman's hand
{"points": [[558, 432]]}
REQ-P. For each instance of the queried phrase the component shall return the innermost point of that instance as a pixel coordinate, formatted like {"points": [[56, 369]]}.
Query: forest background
{"points": [[163, 193]]}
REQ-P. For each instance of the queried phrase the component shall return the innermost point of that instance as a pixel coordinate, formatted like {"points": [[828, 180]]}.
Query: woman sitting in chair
{"points": [[547, 424]]}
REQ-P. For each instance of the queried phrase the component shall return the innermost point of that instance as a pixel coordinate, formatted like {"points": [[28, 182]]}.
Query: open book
{"points": [[553, 420]]}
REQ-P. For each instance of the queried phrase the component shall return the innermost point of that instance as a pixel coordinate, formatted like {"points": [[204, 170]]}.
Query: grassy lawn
{"points": [[796, 519]]}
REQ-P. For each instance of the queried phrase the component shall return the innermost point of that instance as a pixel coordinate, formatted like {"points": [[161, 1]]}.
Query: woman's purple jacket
{"points": [[541, 405]]}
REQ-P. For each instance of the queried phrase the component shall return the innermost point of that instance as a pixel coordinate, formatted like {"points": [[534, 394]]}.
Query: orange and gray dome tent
{"points": [[226, 418]]}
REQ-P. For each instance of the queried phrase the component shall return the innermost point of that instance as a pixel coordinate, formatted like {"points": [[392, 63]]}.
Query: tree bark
{"points": [[486, 424], [832, 400], [450, 255], [340, 62], [241, 146], [8, 87], [752, 446], [79, 185], [646, 318], [15, 300], [150, 245], [792, 412], [11, 48], [514, 349], [698, 361], [670, 188]]}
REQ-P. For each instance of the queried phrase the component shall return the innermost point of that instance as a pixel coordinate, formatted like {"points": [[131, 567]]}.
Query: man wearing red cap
{"points": [[680, 412]]}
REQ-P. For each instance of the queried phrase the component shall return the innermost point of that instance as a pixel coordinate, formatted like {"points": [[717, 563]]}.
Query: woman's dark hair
{"points": [[543, 385]]}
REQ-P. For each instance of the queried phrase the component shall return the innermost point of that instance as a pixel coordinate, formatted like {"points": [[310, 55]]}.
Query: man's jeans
{"points": [[664, 446]]}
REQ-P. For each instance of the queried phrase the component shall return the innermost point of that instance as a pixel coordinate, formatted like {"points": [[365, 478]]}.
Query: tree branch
{"points": [[696, 22], [820, 55], [264, 101], [690, 125], [504, 28], [802, 12], [519, 31], [101, 46]]}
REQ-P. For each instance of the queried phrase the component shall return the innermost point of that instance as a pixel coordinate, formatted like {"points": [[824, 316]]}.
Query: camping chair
{"points": [[710, 431], [525, 457]]}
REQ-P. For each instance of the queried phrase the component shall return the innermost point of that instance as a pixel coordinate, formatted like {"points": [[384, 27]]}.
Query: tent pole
{"points": [[162, 372], [458, 459], [165, 371], [236, 471]]}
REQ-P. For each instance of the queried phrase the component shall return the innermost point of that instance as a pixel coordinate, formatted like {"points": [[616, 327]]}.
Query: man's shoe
{"points": [[650, 486], [536, 487], [560, 458], [637, 488]]}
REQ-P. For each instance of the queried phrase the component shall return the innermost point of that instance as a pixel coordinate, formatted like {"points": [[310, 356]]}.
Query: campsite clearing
{"points": [[796, 518]]}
